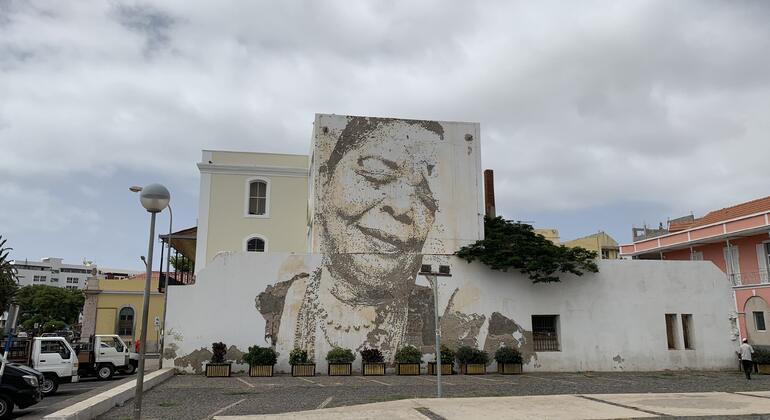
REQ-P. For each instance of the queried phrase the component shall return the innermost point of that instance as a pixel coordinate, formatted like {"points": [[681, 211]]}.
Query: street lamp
{"points": [[154, 199], [432, 277]]}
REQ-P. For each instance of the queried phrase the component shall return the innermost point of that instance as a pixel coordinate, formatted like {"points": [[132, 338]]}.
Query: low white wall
{"points": [[612, 320]]}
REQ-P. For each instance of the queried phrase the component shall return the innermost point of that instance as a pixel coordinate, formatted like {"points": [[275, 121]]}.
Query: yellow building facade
{"points": [[601, 243]]}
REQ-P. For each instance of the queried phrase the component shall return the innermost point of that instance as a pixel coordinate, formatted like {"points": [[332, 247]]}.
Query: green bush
{"points": [[447, 355], [508, 355], [372, 356], [761, 355], [298, 357], [467, 354], [260, 356], [340, 355], [408, 354]]}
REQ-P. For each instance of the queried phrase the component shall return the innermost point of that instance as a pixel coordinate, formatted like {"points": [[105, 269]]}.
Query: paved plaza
{"points": [[198, 397]]}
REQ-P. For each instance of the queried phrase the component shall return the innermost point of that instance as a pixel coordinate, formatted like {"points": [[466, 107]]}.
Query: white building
{"points": [[54, 272]]}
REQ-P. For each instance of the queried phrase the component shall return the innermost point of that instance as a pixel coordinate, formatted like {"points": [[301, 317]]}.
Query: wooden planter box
{"points": [[472, 368], [261, 370], [218, 370], [446, 369], [763, 368], [304, 369], [340, 369], [408, 369], [373, 369], [509, 368]]}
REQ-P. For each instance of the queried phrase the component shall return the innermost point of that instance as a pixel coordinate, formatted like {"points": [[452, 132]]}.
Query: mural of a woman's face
{"points": [[379, 207]]}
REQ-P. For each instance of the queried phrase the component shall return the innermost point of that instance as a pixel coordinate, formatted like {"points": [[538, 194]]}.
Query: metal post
{"points": [[143, 337], [165, 290], [438, 335]]}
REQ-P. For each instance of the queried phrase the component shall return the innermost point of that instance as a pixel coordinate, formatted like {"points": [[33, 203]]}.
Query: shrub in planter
{"points": [[472, 361], [340, 361], [261, 360], [372, 362], [408, 360], [217, 367], [761, 358], [447, 362], [508, 361], [301, 365]]}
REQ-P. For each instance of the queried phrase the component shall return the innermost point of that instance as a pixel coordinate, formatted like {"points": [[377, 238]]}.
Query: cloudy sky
{"points": [[594, 115]]}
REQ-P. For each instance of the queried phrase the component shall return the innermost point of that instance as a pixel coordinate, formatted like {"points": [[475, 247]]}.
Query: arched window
{"points": [[255, 245], [126, 322], [258, 198]]}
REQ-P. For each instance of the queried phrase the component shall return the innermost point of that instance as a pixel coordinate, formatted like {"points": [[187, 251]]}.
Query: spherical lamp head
{"points": [[154, 198]]}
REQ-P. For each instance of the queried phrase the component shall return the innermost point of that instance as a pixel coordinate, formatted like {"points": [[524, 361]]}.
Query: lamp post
{"points": [[432, 278], [154, 199]]}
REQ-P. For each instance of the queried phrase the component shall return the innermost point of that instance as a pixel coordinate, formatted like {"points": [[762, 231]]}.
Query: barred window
{"points": [[126, 322], [545, 332], [255, 245]]}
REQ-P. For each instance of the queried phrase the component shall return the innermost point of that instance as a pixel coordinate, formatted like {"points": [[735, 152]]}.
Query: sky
{"points": [[594, 115]]}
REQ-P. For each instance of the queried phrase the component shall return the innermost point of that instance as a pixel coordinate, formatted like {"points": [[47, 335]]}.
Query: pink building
{"points": [[737, 240]]}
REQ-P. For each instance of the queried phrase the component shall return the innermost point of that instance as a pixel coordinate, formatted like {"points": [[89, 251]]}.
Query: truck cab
{"points": [[51, 356], [102, 356]]}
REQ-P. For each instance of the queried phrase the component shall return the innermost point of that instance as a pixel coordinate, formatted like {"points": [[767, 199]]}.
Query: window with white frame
{"points": [[255, 245], [72, 280], [257, 198], [39, 279]]}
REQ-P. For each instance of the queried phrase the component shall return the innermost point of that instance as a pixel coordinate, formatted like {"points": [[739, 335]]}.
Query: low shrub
{"points": [[260, 356], [447, 355], [507, 355], [467, 354], [408, 354], [298, 357], [761, 356], [340, 355], [372, 356], [218, 351]]}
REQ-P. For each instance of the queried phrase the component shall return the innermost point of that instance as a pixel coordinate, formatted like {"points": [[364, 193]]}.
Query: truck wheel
{"points": [[105, 372], [49, 386], [129, 369], [6, 407]]}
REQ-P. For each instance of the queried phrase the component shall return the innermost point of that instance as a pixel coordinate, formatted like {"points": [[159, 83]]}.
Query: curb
{"points": [[101, 403]]}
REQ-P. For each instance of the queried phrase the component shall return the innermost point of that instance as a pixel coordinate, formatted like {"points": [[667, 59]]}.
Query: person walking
{"points": [[744, 351]]}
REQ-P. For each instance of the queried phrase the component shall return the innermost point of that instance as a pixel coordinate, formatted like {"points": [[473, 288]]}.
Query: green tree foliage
{"points": [[51, 307], [509, 245], [8, 281], [181, 264]]}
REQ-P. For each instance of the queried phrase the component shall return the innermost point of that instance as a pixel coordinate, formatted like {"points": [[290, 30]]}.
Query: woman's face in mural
{"points": [[379, 204]]}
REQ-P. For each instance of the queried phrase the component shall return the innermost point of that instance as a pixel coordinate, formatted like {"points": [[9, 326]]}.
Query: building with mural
{"points": [[735, 239], [326, 250]]}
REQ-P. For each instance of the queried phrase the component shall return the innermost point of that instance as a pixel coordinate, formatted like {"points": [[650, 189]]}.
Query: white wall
{"points": [[613, 320]]}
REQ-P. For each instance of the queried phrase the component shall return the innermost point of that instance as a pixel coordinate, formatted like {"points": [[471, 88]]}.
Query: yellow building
{"points": [[550, 234], [602, 243], [115, 307]]}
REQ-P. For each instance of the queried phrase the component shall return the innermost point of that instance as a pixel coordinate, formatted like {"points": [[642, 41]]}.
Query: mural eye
{"points": [[377, 177]]}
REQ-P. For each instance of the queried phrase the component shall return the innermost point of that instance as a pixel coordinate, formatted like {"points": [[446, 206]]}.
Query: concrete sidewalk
{"points": [[594, 406]]}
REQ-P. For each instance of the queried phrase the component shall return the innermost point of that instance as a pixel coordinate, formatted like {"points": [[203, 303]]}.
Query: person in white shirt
{"points": [[744, 351]]}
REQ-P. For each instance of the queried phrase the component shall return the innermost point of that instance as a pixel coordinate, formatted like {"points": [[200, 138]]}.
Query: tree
{"points": [[181, 263], [8, 281], [511, 245], [50, 307]]}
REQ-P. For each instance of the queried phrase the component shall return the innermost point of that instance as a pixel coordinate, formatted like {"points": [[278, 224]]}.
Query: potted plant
{"points": [[301, 365], [217, 367], [447, 362], [509, 361], [408, 361], [472, 361], [340, 361], [261, 360], [372, 362], [761, 359]]}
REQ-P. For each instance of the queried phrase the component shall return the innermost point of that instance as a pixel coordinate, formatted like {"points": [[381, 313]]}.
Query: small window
{"points": [[670, 331], [126, 322], [258, 198], [425, 268], [545, 334], [687, 331], [54, 347], [759, 320], [255, 245]]}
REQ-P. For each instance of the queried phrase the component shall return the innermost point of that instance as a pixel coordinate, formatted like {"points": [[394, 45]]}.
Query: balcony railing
{"points": [[749, 277]]}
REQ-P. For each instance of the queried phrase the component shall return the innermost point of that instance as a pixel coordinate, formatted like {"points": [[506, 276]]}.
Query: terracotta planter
{"points": [[408, 369], [218, 370], [340, 369], [509, 368], [446, 369], [763, 368], [303, 369], [261, 370], [473, 368], [373, 369]]}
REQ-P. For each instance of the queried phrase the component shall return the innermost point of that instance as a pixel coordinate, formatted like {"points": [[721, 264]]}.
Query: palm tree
{"points": [[8, 281]]}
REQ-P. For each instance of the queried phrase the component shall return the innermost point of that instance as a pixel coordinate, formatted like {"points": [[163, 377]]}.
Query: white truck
{"points": [[102, 355], [51, 356]]}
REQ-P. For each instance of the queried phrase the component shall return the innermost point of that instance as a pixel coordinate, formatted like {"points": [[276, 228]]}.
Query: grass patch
{"points": [[395, 397]]}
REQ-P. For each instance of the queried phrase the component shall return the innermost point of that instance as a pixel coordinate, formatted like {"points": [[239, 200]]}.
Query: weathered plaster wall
{"points": [[613, 320]]}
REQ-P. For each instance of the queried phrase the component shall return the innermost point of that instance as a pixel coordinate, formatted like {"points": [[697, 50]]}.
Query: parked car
{"points": [[51, 356], [20, 386]]}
